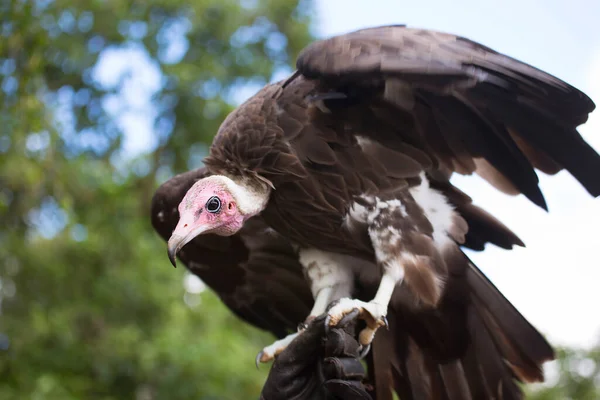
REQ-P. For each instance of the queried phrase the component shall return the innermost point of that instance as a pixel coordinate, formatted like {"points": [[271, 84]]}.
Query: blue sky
{"points": [[554, 280]]}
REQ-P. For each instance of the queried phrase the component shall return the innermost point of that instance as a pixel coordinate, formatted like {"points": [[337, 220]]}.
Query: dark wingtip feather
{"points": [[537, 198], [587, 169]]}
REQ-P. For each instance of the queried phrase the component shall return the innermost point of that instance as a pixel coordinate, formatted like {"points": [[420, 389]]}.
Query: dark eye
{"points": [[213, 205]]}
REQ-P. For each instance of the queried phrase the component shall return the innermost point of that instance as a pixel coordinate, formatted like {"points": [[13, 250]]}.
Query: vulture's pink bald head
{"points": [[215, 204]]}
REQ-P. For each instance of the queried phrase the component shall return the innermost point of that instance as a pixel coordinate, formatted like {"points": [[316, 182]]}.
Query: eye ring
{"points": [[213, 205]]}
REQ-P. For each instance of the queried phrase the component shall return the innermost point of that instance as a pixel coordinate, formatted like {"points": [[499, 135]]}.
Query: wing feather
{"points": [[367, 112], [468, 102]]}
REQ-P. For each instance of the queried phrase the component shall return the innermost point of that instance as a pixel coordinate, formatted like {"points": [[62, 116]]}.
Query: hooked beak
{"points": [[175, 244], [177, 241]]}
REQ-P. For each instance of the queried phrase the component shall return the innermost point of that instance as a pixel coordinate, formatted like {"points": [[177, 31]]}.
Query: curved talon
{"points": [[345, 319], [332, 304], [301, 326], [258, 358], [385, 322], [349, 317], [364, 351], [327, 321], [371, 313]]}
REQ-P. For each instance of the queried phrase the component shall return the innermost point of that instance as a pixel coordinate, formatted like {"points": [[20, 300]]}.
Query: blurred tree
{"points": [[576, 377], [100, 102]]}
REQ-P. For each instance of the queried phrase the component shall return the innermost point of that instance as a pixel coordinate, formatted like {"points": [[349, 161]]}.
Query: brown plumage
{"points": [[467, 103], [352, 156], [256, 273]]}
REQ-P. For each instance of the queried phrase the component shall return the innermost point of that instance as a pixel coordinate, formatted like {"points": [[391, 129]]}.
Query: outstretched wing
{"points": [[469, 108], [255, 272], [421, 101]]}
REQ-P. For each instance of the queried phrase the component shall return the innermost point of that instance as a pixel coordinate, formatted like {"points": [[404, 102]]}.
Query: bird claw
{"points": [[385, 322], [268, 353], [372, 313], [258, 358], [339, 314], [364, 350], [302, 326], [328, 323]]}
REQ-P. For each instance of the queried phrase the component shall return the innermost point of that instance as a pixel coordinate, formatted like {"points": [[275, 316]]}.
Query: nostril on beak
{"points": [[185, 226]]}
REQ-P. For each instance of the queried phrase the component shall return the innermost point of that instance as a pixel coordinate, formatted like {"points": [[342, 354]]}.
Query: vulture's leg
{"points": [[373, 312], [403, 236], [330, 279], [329, 275]]}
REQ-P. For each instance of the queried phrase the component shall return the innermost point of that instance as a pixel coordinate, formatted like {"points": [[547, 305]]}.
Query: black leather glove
{"points": [[319, 365]]}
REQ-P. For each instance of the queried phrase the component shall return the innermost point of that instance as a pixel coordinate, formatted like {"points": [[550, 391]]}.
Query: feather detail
{"points": [[384, 117]]}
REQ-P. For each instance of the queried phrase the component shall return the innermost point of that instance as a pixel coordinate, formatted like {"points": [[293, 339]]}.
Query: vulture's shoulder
{"points": [[449, 104], [255, 272]]}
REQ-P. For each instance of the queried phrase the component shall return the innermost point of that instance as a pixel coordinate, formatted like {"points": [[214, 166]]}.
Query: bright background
{"points": [[100, 102]]}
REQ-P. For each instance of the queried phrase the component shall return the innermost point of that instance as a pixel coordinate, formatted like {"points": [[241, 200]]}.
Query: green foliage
{"points": [[577, 377], [90, 307]]}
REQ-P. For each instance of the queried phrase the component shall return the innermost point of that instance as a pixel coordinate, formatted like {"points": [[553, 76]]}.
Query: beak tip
{"points": [[173, 259], [175, 243]]}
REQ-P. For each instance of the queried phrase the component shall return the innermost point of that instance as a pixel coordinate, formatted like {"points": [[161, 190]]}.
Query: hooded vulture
{"points": [[333, 185]]}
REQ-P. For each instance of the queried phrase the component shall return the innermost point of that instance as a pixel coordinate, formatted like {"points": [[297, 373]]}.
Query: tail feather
{"points": [[497, 377], [476, 375], [382, 363], [414, 374], [528, 348], [455, 380], [502, 348]]}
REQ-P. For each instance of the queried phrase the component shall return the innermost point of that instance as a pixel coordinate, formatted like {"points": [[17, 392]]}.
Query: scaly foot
{"points": [[372, 313], [268, 353]]}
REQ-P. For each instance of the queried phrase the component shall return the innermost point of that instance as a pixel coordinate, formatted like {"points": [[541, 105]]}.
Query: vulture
{"points": [[330, 191]]}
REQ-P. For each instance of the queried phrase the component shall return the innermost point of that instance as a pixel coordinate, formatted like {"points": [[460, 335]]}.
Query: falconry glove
{"points": [[319, 365]]}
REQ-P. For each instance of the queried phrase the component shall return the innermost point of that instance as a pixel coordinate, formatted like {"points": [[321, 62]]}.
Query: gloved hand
{"points": [[319, 365]]}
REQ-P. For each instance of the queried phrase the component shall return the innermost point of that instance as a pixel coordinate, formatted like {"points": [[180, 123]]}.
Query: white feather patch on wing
{"points": [[437, 210]]}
